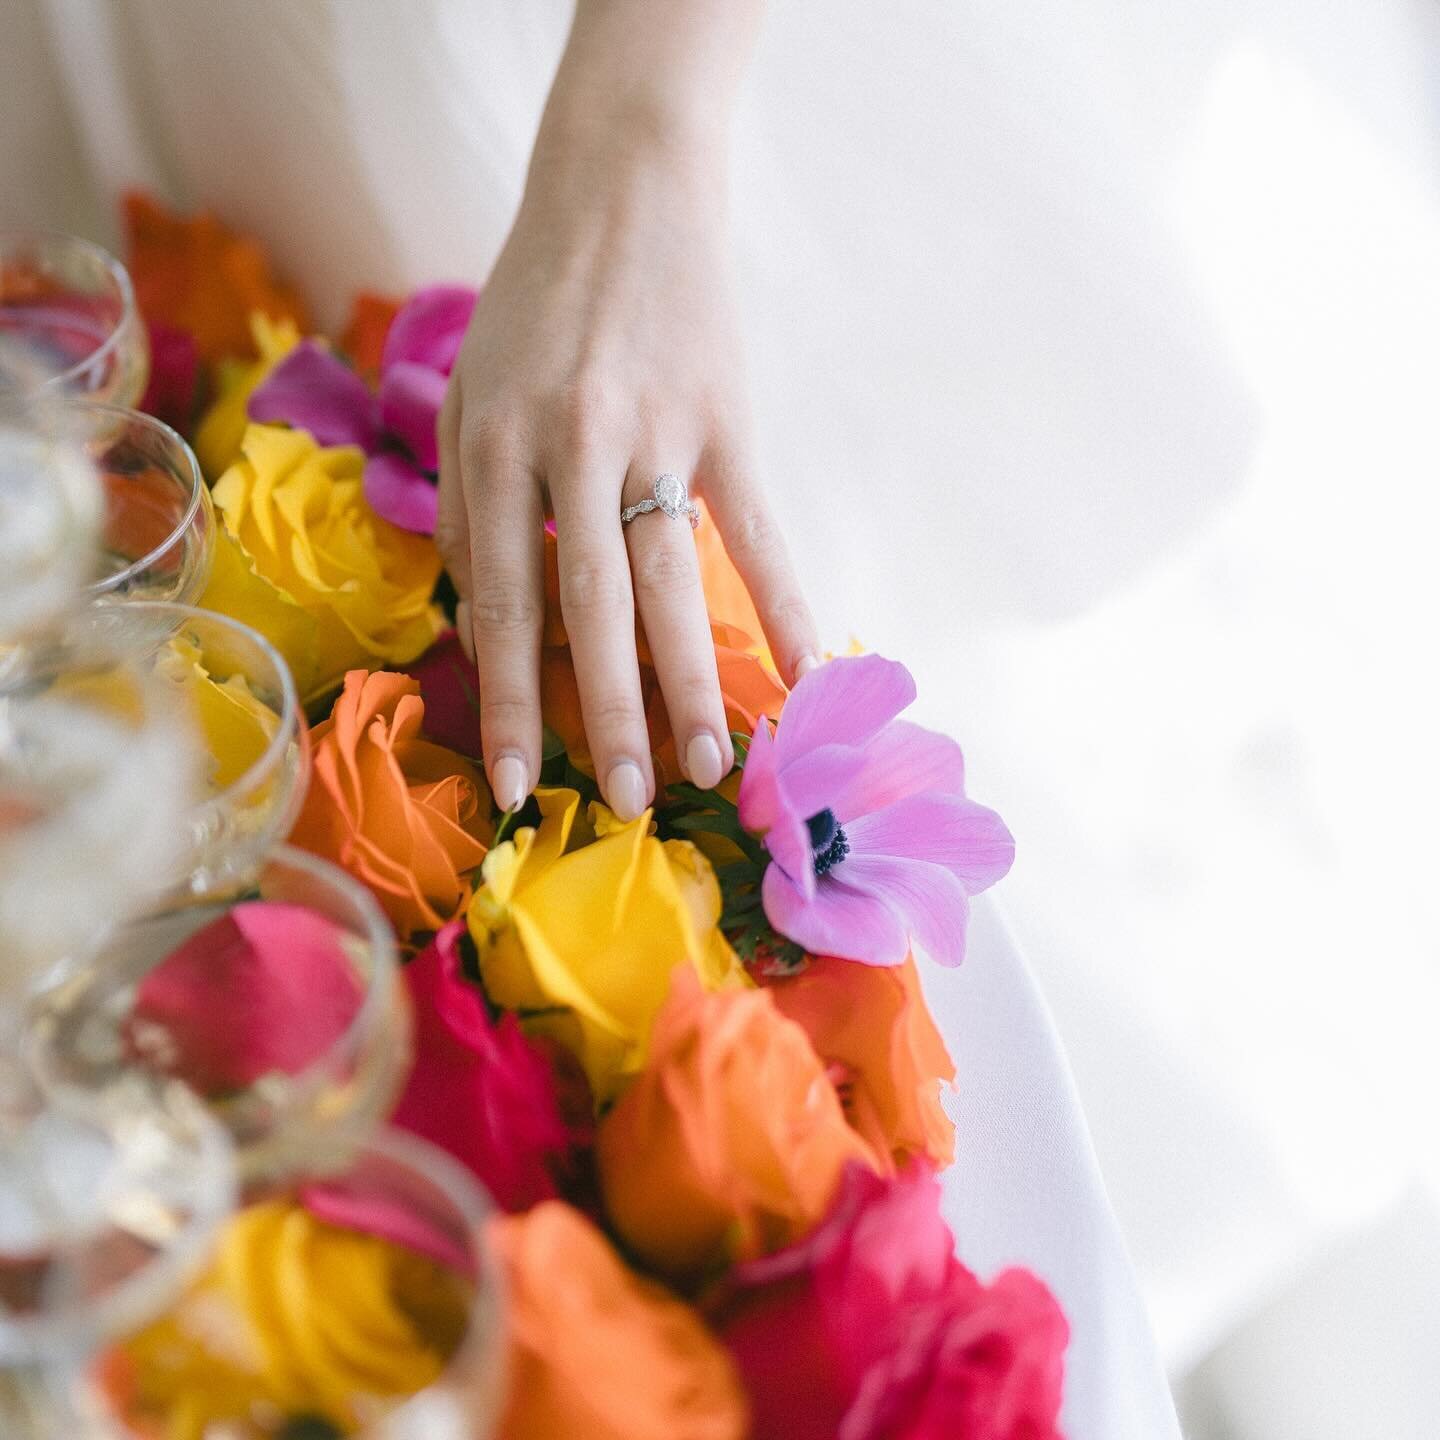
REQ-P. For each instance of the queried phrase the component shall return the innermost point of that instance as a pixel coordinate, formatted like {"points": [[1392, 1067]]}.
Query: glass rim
{"points": [[292, 715], [381, 984], [113, 267], [484, 1319], [51, 1336], [171, 437], [280, 1153]]}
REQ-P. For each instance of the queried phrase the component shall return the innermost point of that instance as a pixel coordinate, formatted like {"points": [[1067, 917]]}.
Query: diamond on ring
{"points": [[671, 497]]}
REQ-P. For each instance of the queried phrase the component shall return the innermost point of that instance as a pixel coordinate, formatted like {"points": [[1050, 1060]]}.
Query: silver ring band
{"points": [[670, 496]]}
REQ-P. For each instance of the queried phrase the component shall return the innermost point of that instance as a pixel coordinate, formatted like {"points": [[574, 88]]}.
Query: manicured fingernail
{"points": [[625, 790], [703, 762], [511, 781], [804, 665], [466, 639]]}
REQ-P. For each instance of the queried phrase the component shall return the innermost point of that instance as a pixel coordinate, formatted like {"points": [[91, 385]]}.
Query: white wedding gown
{"points": [[975, 363]]}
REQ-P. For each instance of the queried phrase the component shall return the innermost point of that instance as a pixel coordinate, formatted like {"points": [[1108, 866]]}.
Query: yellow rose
{"points": [[235, 725], [313, 568], [222, 427], [582, 935], [296, 1317]]}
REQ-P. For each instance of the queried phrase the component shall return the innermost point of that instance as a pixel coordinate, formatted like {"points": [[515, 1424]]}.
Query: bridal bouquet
{"points": [[689, 1056]]}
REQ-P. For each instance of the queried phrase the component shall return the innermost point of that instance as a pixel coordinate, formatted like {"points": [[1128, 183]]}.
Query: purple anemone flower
{"points": [[313, 390], [874, 848]]}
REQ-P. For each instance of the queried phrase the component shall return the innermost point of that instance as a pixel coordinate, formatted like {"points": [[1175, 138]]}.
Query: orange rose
{"points": [[596, 1351], [870, 1026], [731, 1141], [407, 818], [198, 276], [747, 687], [363, 339]]}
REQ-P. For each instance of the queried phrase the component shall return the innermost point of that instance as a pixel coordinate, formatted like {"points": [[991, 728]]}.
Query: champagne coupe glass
{"points": [[280, 1003], [104, 1219], [70, 308], [50, 512], [237, 690], [386, 1324], [96, 773], [159, 524]]}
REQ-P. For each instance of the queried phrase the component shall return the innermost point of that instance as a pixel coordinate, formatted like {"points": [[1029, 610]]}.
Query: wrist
{"points": [[610, 154]]}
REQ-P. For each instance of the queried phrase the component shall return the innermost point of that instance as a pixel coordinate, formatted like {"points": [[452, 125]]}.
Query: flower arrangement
{"points": [[689, 1056]]}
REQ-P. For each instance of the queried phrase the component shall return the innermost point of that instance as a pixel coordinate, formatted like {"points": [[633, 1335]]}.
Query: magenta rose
{"points": [[265, 989], [871, 1329], [451, 695], [480, 1088]]}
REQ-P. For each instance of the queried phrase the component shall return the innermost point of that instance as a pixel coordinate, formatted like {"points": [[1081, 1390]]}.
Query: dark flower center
{"points": [[827, 841]]}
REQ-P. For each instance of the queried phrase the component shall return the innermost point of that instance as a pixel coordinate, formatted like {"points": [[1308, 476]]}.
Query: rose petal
{"points": [[837, 920], [398, 492], [429, 328], [311, 390], [968, 839], [843, 702], [410, 397]]}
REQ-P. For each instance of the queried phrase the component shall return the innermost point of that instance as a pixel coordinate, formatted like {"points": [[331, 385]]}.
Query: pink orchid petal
{"points": [[837, 920], [400, 493], [429, 328], [902, 759], [969, 840], [765, 810], [845, 701], [931, 901], [311, 390], [410, 398]]}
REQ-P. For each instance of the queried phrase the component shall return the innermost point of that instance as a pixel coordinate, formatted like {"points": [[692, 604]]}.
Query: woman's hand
{"points": [[602, 353]]}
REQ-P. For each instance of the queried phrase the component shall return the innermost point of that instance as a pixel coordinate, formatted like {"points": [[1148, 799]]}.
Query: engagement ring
{"points": [[671, 496]]}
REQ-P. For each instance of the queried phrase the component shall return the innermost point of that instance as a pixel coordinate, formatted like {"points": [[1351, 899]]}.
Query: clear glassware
{"points": [[105, 1218], [230, 679], [420, 1358], [69, 307], [96, 773], [292, 1022], [50, 512], [158, 530]]}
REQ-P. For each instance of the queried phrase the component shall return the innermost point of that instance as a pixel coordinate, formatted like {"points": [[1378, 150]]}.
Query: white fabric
{"points": [[1128, 311]]}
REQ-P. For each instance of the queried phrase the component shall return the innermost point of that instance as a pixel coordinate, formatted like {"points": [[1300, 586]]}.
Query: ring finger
{"points": [[671, 605]]}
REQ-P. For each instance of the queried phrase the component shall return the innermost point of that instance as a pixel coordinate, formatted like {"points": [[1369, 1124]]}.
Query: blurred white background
{"points": [[1097, 372], [1147, 450]]}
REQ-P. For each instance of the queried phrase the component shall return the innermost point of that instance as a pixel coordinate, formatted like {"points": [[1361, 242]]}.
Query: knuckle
{"points": [[754, 534], [790, 612], [611, 714], [664, 570], [452, 540], [503, 606], [592, 586], [589, 409], [486, 438], [505, 716]]}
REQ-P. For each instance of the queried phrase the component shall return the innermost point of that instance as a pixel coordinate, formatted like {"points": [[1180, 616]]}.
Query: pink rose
{"points": [[265, 989], [480, 1088], [449, 688], [173, 391], [871, 1329]]}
